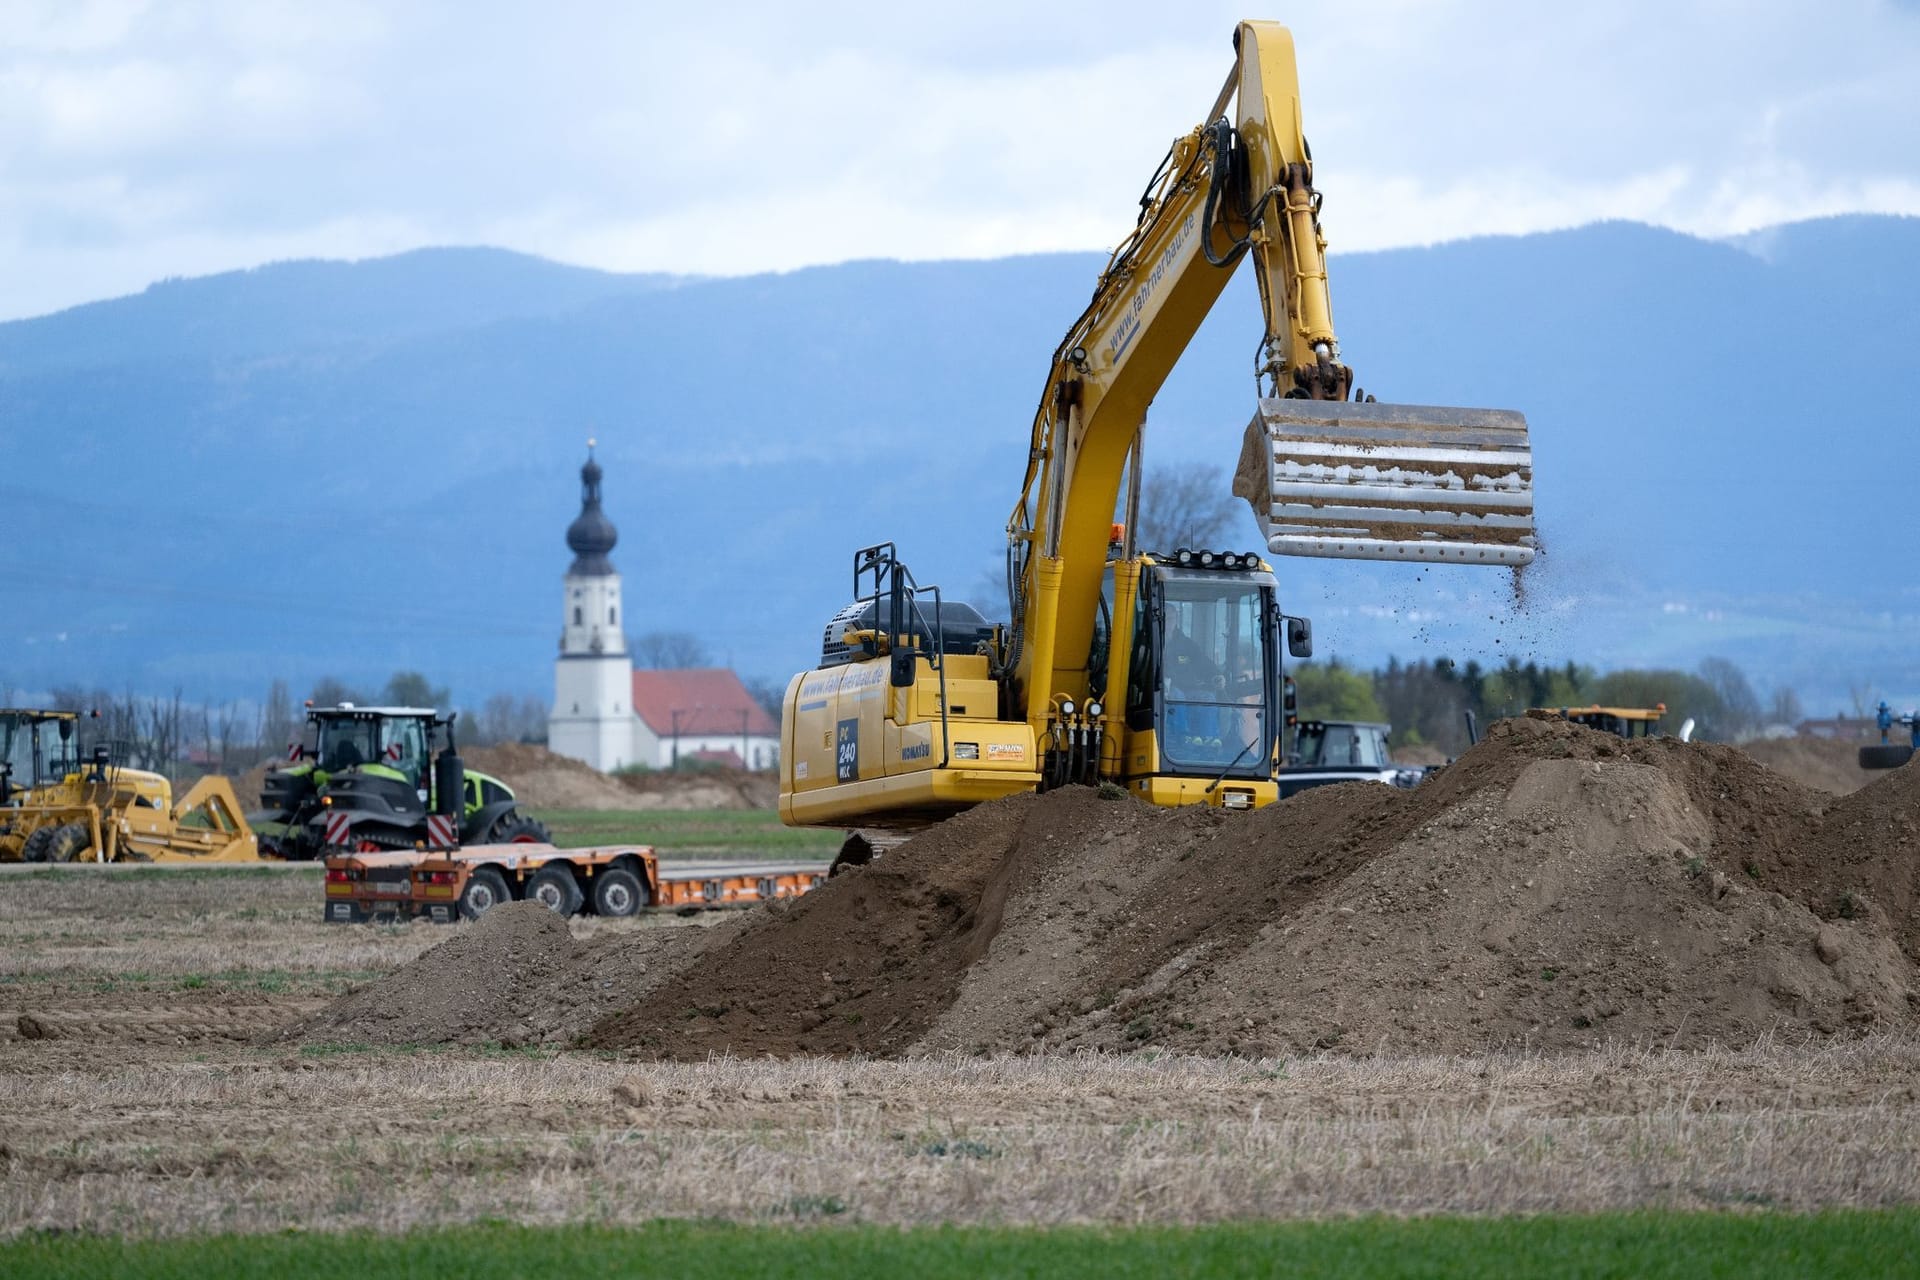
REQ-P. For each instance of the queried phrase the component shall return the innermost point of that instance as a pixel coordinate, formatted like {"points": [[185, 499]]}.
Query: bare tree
{"points": [[411, 689], [669, 651], [166, 729], [1188, 504], [1739, 705], [277, 723], [223, 725], [770, 694], [329, 692], [507, 718]]}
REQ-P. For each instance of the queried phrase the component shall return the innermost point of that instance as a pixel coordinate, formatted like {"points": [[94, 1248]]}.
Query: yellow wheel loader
{"points": [[1152, 669], [55, 809]]}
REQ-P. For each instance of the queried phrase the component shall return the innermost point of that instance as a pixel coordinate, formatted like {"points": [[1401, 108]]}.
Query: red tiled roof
{"points": [[729, 758], [709, 701]]}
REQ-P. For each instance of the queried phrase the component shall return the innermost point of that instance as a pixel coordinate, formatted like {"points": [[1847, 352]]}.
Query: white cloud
{"points": [[776, 136]]}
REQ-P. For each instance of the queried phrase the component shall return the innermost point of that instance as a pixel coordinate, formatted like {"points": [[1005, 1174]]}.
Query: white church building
{"points": [[609, 715]]}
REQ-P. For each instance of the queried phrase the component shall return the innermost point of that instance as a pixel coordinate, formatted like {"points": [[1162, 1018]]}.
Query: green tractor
{"points": [[368, 778]]}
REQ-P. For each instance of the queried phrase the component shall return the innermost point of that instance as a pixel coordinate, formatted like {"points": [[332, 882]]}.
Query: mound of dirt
{"points": [[542, 780], [701, 789], [1554, 887], [516, 976], [1828, 764]]}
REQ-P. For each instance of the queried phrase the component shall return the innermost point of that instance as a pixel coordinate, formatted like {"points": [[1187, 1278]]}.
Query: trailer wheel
{"points": [[486, 889], [1886, 756], [556, 890], [617, 892]]}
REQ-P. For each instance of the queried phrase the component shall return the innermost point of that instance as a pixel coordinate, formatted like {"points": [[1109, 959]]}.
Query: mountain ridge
{"points": [[227, 470]]}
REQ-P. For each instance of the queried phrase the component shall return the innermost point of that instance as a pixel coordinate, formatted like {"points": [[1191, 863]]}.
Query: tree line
{"points": [[1427, 701], [179, 738]]}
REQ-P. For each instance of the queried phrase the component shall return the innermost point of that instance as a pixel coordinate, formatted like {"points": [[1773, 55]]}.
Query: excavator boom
{"points": [[1358, 480]]}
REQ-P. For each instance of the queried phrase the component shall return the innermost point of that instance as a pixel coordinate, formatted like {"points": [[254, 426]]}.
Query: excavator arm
{"points": [[1325, 476]]}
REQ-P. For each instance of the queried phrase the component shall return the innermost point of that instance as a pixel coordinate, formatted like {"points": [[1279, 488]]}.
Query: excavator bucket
{"points": [[1365, 481]]}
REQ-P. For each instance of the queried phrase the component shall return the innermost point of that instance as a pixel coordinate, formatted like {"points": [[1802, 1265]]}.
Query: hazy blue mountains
{"points": [[327, 468]]}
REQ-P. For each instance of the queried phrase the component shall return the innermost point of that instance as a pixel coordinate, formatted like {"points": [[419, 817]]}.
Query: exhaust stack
{"points": [[1365, 481]]}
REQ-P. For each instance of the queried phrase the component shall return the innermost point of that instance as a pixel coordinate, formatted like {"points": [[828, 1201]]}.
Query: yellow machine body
{"points": [[128, 815]]}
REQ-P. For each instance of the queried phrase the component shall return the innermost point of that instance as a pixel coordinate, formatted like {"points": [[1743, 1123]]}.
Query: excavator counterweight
{"points": [[1355, 480]]}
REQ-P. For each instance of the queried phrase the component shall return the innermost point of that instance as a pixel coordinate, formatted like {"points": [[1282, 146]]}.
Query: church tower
{"points": [[593, 680]]}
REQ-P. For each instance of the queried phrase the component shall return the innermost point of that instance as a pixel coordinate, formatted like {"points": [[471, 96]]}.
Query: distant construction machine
{"points": [[1892, 755], [1155, 670], [368, 779], [54, 808]]}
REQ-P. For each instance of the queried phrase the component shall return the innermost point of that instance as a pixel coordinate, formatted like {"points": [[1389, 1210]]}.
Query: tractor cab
{"points": [[1319, 743], [390, 742], [37, 749]]}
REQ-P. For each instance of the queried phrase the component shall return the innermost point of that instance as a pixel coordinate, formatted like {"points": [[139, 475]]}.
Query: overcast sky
{"points": [[181, 137]]}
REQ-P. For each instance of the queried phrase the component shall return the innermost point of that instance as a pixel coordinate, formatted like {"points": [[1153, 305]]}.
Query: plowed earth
{"points": [[1555, 888]]}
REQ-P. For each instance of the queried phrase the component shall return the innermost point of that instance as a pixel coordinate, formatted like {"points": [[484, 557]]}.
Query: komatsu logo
{"points": [[918, 751]]}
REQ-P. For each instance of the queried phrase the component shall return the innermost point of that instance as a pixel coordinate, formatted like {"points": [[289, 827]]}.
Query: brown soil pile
{"points": [[542, 780], [701, 789], [1827, 764], [1553, 887], [517, 976]]}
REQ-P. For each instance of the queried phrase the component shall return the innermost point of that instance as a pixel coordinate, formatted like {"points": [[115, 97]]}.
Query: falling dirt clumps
{"points": [[517, 976], [1555, 887]]}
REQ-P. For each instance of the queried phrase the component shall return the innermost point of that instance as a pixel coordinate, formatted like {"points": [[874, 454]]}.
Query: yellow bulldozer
{"points": [[56, 808]]}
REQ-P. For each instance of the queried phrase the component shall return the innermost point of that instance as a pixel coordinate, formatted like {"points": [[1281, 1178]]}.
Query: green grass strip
{"points": [[709, 833], [1694, 1245]]}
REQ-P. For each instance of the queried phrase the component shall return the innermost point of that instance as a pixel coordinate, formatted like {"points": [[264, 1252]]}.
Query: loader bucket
{"points": [[1365, 481]]}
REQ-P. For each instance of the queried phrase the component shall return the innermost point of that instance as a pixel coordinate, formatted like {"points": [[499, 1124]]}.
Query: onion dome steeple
{"points": [[591, 535]]}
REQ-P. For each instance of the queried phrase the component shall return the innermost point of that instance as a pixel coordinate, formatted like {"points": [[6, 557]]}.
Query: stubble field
{"points": [[142, 1093]]}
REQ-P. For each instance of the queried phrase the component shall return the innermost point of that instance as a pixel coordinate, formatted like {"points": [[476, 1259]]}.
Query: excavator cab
{"points": [[1205, 701]]}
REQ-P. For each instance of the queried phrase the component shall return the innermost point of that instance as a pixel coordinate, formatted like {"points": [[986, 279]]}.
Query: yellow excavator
{"points": [[1152, 669]]}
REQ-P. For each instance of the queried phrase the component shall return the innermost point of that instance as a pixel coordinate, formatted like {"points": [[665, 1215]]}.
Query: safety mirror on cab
{"points": [[1300, 637], [902, 669]]}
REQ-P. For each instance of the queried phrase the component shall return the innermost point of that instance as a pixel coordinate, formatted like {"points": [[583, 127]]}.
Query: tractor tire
{"points": [[57, 844], [617, 892], [486, 889], [35, 847], [557, 890], [514, 827], [1884, 756]]}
